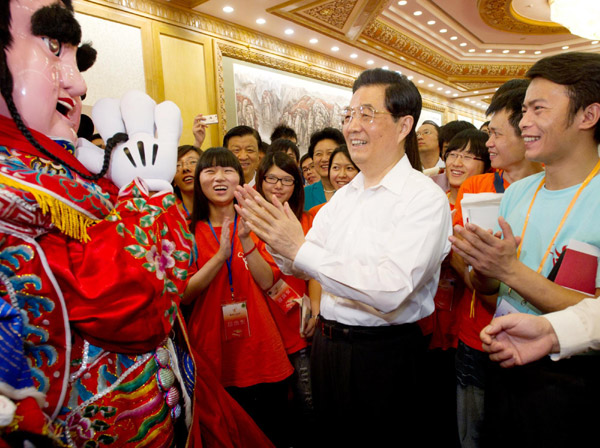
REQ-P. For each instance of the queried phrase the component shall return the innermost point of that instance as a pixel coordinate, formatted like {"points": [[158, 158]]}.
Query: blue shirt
{"points": [[314, 195]]}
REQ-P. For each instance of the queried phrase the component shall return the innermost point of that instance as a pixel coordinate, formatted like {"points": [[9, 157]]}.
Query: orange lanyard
{"points": [[564, 218]]}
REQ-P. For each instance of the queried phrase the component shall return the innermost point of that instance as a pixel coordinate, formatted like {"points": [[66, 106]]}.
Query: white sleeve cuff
{"points": [[571, 332]]}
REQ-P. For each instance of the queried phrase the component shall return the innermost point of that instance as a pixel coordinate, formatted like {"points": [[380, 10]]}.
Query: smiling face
{"points": [[321, 155], [545, 126], [459, 169], [218, 184], [375, 146], [245, 149], [505, 147], [184, 176], [342, 171], [282, 192], [308, 171], [47, 82]]}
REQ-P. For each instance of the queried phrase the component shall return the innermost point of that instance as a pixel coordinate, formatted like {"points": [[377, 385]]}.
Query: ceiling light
{"points": [[521, 51], [402, 2], [580, 17], [399, 72], [471, 50], [261, 21], [453, 38], [421, 81], [353, 55], [431, 22], [429, 85], [227, 9], [476, 92], [335, 48], [385, 67], [488, 51], [314, 40], [538, 52], [566, 47], [417, 13], [370, 62], [464, 44], [505, 51], [486, 97], [467, 100], [443, 30], [410, 78], [440, 88], [289, 31], [448, 92], [594, 42], [455, 94]]}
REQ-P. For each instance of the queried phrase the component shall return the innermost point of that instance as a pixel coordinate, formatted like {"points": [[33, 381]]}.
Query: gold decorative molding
{"points": [[435, 64], [499, 14], [471, 86], [432, 106], [222, 113], [235, 34], [335, 13]]}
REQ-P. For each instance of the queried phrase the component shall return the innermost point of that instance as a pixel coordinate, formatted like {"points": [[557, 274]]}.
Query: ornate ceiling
{"points": [[459, 47]]}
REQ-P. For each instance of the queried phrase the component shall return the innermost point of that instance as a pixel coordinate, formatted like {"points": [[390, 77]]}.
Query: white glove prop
{"points": [[154, 132]]}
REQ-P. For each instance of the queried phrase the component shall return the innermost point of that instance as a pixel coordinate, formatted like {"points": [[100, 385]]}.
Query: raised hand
{"points": [[153, 130]]}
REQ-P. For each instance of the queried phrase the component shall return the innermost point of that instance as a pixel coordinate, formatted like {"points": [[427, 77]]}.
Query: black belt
{"points": [[334, 330]]}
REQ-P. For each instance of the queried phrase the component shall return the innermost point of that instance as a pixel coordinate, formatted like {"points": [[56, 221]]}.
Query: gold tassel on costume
{"points": [[64, 217], [472, 311]]}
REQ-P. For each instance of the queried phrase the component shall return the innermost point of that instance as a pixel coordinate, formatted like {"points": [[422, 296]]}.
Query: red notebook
{"points": [[579, 267]]}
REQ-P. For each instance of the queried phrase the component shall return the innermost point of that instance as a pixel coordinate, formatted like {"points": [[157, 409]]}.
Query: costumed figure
{"points": [[92, 348]]}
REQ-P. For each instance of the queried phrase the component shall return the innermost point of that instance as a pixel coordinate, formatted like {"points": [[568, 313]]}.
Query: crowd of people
{"points": [[341, 297]]}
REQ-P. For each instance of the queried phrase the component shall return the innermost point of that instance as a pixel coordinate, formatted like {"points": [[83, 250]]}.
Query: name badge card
{"points": [[235, 319], [283, 295]]}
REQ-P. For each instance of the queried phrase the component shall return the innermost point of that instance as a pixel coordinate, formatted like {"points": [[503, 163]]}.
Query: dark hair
{"points": [[401, 99], [343, 149], [263, 148], [477, 140], [579, 73], [283, 131], [437, 130], [511, 100], [449, 130], [217, 156], [86, 127], [182, 151], [241, 131], [325, 134], [284, 162], [283, 145], [484, 124]]}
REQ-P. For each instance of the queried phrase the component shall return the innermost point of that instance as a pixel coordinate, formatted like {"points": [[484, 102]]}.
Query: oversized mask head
{"points": [[47, 84]]}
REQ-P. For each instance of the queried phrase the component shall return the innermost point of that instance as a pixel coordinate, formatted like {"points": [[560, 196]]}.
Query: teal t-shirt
{"points": [[582, 224], [314, 195]]}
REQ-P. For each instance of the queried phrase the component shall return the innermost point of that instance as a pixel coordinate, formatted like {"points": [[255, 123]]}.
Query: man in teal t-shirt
{"points": [[545, 403]]}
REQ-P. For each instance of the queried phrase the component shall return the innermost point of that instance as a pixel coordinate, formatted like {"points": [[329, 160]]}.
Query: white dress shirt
{"points": [[377, 252], [577, 328]]}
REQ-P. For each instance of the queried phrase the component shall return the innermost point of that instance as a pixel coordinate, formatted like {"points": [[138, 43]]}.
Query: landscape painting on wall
{"points": [[265, 98]]}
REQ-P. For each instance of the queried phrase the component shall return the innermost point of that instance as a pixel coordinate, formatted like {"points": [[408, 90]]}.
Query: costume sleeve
{"points": [[409, 257], [123, 286], [577, 328]]}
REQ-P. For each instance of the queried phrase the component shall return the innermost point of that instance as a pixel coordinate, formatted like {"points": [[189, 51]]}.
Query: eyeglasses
{"points": [[306, 169], [366, 114], [453, 156], [287, 181], [191, 164], [424, 133]]}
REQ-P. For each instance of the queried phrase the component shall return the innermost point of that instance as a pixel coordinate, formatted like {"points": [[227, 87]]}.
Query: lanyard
{"points": [[564, 218], [227, 262]]}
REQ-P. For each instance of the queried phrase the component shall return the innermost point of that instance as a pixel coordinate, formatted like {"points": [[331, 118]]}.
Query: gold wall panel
{"points": [[500, 15]]}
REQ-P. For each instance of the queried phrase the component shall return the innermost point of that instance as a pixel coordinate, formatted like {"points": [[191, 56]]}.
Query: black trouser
{"points": [[366, 384], [544, 404]]}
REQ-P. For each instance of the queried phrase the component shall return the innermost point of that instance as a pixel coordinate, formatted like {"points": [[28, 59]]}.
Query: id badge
{"points": [[235, 319], [505, 307], [283, 295]]}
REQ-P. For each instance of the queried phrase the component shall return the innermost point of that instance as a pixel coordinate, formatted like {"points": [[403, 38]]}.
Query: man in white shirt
{"points": [[376, 249]]}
